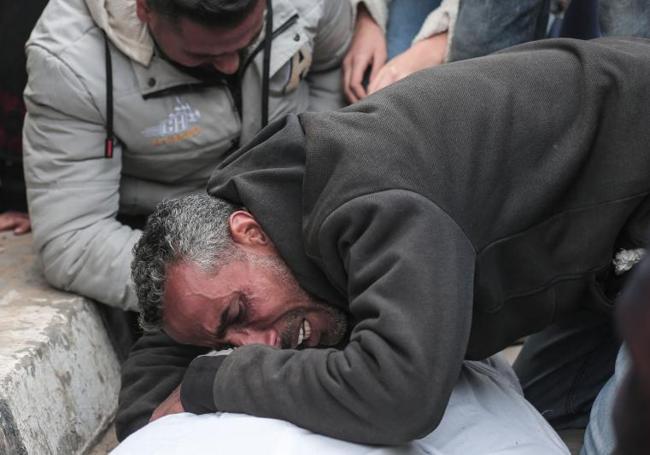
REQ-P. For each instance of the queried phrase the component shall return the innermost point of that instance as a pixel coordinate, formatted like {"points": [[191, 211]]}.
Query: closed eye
{"points": [[241, 312], [235, 314]]}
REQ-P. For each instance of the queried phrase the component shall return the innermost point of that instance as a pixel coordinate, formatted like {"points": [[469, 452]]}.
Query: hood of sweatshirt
{"points": [[266, 177], [118, 18]]}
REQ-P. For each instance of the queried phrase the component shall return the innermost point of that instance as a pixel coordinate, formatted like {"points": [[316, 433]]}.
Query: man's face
{"points": [[253, 300], [190, 44]]}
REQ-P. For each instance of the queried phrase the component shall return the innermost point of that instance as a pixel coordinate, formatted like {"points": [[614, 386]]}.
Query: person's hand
{"points": [[18, 221], [368, 49], [171, 405], [423, 54]]}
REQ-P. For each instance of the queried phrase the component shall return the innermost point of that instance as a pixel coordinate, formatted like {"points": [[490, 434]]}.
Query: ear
{"points": [[143, 11], [246, 231]]}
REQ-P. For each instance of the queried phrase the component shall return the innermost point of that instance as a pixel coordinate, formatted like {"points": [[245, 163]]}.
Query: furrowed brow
{"points": [[224, 322], [232, 315]]}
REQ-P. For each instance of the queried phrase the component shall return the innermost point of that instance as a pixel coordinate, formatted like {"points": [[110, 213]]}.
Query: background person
{"points": [[462, 29], [132, 102]]}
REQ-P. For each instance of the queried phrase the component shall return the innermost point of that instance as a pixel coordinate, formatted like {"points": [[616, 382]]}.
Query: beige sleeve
{"points": [[442, 19]]}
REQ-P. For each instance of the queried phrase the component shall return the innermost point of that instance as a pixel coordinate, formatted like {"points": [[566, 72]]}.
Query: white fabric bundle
{"points": [[487, 414]]}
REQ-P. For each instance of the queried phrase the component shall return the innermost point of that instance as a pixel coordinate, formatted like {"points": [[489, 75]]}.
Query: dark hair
{"points": [[212, 13], [192, 228]]}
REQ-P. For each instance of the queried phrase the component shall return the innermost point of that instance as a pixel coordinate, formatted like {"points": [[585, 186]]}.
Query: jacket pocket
{"points": [[600, 291], [576, 244], [604, 288]]}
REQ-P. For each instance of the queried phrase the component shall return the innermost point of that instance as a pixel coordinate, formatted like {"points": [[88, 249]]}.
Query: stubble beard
{"points": [[337, 324]]}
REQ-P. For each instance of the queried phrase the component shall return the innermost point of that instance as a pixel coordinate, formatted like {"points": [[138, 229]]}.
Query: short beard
{"points": [[205, 73], [340, 326], [281, 269]]}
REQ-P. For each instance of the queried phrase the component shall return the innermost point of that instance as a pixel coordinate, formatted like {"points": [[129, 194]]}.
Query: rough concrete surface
{"points": [[59, 376]]}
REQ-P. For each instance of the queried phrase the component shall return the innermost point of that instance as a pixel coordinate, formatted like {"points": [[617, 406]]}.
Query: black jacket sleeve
{"points": [[154, 368], [408, 271]]}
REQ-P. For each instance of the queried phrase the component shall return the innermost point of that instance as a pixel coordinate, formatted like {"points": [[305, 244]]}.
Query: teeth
{"points": [[301, 335], [307, 328], [304, 333]]}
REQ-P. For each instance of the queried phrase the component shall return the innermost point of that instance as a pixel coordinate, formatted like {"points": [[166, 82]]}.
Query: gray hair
{"points": [[193, 228], [224, 13]]}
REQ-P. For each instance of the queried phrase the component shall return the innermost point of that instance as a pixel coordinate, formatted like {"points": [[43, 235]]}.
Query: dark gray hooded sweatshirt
{"points": [[450, 214]]}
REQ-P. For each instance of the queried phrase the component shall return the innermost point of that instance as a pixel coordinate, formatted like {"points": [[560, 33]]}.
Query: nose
{"points": [[244, 337], [227, 63]]}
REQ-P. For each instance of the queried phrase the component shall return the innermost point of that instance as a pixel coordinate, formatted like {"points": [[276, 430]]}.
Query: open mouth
{"points": [[303, 333]]}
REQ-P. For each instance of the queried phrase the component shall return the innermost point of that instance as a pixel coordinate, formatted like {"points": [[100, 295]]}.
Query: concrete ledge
{"points": [[59, 376]]}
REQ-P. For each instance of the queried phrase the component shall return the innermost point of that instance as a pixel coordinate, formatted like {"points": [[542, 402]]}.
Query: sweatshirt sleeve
{"points": [[153, 370], [408, 270], [73, 191]]}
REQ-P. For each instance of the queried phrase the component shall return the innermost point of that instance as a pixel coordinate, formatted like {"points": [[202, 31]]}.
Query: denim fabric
{"points": [[405, 18], [563, 368], [486, 26], [567, 372], [600, 437], [625, 18]]}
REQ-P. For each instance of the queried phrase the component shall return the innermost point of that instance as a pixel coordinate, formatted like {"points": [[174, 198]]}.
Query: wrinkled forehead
{"points": [[188, 306]]}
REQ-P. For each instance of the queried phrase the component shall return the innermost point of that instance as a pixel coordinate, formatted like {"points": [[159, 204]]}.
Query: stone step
{"points": [[59, 376]]}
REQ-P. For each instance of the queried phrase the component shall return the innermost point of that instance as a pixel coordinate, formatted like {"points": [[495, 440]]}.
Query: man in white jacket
{"points": [[130, 102]]}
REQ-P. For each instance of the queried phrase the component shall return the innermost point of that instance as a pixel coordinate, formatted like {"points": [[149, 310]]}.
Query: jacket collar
{"points": [[119, 20], [153, 73]]}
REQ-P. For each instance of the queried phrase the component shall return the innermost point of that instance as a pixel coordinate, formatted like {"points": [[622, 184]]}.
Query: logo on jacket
{"points": [[293, 72], [180, 124]]}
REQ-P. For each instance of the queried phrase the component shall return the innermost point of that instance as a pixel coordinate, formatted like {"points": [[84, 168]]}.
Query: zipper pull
{"points": [[108, 148]]}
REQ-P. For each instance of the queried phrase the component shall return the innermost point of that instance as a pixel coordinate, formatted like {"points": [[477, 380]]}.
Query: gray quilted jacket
{"points": [[171, 129]]}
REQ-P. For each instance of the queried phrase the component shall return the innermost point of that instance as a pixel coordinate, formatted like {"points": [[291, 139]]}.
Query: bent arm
{"points": [[409, 280], [153, 370], [73, 191]]}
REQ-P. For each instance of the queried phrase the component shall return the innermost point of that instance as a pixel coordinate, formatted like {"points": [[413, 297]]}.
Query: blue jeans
{"points": [[625, 18], [569, 366], [600, 436], [405, 18], [486, 26]]}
